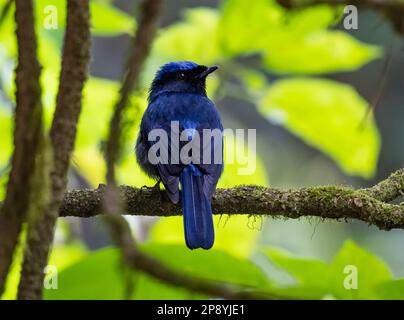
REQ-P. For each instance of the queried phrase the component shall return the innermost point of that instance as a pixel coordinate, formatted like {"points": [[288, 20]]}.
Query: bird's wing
{"points": [[211, 158], [197, 114], [169, 172]]}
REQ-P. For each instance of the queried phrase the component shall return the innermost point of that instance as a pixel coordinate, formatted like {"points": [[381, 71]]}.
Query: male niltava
{"points": [[178, 95]]}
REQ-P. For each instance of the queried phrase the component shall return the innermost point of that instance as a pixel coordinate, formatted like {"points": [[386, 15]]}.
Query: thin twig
{"points": [[138, 260], [141, 46], [382, 82]]}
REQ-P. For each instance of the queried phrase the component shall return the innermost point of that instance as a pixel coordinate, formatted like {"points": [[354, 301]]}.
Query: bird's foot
{"points": [[152, 188]]}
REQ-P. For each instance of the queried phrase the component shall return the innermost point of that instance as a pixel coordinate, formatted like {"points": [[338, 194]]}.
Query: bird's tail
{"points": [[196, 208]]}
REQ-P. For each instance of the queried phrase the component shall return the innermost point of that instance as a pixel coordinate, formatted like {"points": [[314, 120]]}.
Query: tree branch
{"points": [[27, 136], [75, 61], [388, 189], [331, 202], [325, 202], [392, 9]]}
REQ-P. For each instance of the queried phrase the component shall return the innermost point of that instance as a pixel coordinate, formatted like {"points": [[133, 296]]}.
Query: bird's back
{"points": [[183, 107], [191, 111]]}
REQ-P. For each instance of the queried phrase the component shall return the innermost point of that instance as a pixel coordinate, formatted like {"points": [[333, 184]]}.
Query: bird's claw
{"points": [[153, 189]]}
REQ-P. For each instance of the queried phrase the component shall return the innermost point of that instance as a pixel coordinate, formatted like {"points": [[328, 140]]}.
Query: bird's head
{"points": [[183, 76]]}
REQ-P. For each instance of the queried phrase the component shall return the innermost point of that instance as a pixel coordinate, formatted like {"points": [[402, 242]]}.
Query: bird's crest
{"points": [[173, 67], [180, 76]]}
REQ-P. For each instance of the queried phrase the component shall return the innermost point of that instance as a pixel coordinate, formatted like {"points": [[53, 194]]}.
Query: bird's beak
{"points": [[208, 71]]}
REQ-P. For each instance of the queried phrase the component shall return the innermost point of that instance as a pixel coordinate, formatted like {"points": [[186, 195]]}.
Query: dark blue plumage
{"points": [[178, 94]]}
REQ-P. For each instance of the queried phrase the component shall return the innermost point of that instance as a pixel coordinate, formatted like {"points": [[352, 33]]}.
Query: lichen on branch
{"points": [[370, 205]]}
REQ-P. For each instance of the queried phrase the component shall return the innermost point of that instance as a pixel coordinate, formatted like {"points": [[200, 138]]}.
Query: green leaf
{"points": [[107, 20], [213, 265], [391, 290], [242, 164], [148, 288], [13, 276], [98, 101], [42, 14], [312, 275], [6, 147], [319, 52], [276, 33], [100, 96], [329, 116], [6, 132], [200, 25], [234, 235], [7, 34], [317, 279], [96, 276], [244, 25], [262, 16], [308, 272], [254, 81], [371, 271], [208, 264], [300, 292], [63, 256], [99, 275]]}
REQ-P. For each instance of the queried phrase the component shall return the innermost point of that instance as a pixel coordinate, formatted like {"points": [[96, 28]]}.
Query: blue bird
{"points": [[178, 95]]}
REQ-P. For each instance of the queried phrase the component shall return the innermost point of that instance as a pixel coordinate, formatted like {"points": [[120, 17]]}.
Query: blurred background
{"points": [[297, 77]]}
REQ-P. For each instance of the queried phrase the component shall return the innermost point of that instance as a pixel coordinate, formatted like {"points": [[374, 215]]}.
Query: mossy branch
{"points": [[370, 205]]}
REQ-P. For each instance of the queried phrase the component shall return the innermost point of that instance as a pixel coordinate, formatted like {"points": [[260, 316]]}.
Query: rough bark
{"points": [[27, 135], [329, 202], [75, 61]]}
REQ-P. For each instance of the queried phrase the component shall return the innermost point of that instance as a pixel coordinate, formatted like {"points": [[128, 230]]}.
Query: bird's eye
{"points": [[181, 76]]}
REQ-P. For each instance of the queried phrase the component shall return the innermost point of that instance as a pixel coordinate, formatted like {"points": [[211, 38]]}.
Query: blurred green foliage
{"points": [[97, 274], [333, 112], [329, 278], [326, 114]]}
